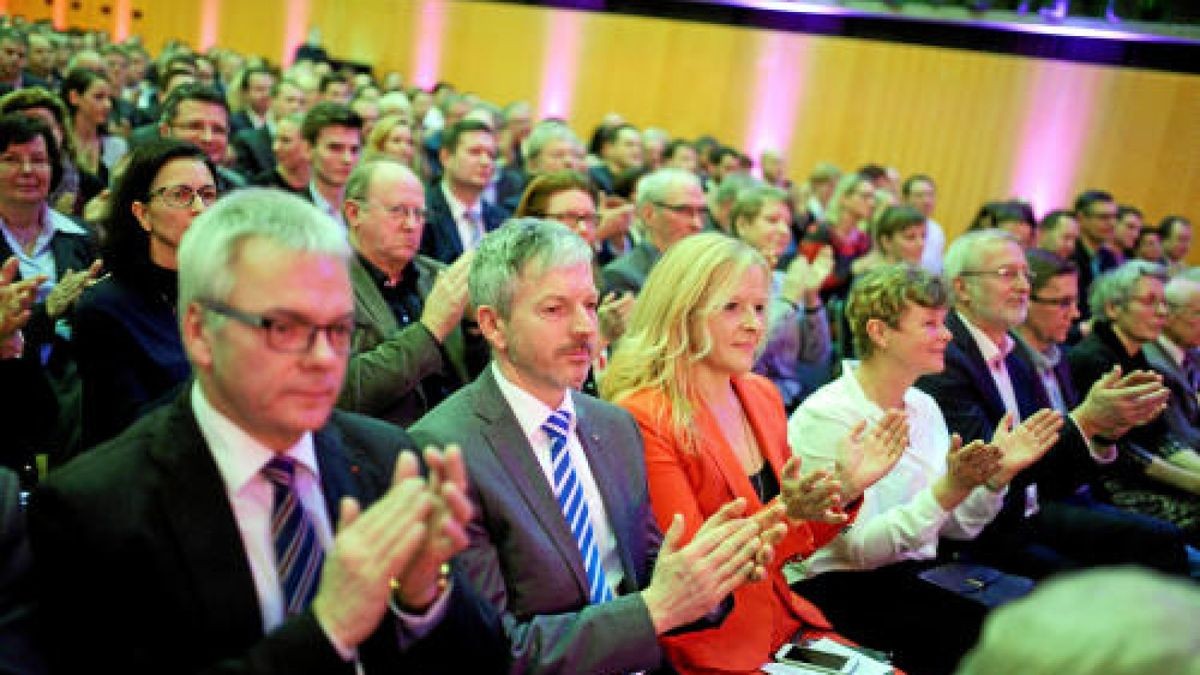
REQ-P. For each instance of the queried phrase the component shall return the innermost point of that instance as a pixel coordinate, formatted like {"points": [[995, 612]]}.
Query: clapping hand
{"points": [[816, 496], [16, 298], [866, 455], [1025, 444], [69, 288]]}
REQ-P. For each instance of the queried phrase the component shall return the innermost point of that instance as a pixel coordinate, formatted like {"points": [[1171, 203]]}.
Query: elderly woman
{"points": [[797, 351], [74, 189], [130, 353], [714, 431], [1156, 473], [866, 578]]}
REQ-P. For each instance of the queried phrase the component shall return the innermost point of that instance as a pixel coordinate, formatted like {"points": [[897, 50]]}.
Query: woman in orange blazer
{"points": [[714, 431]]}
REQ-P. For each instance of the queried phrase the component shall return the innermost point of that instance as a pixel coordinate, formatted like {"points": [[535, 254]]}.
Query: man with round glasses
{"points": [[409, 351], [1043, 526], [246, 526]]}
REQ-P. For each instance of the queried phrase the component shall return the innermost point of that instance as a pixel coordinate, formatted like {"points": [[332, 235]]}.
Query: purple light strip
{"points": [[427, 48], [780, 70], [560, 63]]}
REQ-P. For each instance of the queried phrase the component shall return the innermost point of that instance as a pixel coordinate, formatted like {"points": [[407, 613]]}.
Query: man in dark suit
{"points": [[224, 532], [1096, 212], [409, 351], [458, 216], [13, 49], [1039, 530], [198, 114], [594, 598], [256, 86], [334, 135], [254, 144], [670, 205]]}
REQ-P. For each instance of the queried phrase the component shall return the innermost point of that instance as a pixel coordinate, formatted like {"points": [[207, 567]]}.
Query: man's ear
{"points": [[492, 326], [196, 339]]}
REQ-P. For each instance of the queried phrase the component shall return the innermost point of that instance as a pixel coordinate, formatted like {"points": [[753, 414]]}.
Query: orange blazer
{"points": [[765, 614]]}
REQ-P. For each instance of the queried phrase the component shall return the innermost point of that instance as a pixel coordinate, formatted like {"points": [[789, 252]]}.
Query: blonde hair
{"points": [[668, 330]]}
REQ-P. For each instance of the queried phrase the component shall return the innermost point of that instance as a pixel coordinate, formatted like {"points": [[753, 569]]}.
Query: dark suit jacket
{"points": [[143, 568], [144, 134], [440, 240], [388, 363], [18, 655], [254, 151], [522, 556], [971, 403], [1090, 266], [629, 272], [1183, 411]]}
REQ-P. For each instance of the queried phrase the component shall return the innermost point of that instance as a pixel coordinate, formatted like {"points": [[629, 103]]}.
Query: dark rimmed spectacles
{"points": [[1064, 303], [683, 210], [289, 334]]}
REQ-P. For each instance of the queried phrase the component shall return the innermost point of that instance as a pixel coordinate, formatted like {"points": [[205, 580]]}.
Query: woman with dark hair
{"points": [[88, 96], [1012, 216], [130, 352], [74, 189]]}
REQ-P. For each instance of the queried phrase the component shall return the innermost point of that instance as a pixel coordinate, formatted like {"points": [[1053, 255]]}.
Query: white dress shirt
{"points": [[469, 233], [332, 210], [900, 519], [531, 414], [994, 354], [935, 245]]}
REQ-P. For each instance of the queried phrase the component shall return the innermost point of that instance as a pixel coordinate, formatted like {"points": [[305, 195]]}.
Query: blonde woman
{"points": [[393, 137], [714, 431]]}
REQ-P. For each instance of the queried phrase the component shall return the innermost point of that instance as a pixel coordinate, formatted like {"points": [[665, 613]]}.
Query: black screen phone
{"points": [[814, 657]]}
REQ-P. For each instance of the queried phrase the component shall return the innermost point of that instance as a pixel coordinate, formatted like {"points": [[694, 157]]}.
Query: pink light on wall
{"points": [[1057, 122], [779, 74], [210, 17], [122, 17], [427, 47], [560, 63], [295, 28]]}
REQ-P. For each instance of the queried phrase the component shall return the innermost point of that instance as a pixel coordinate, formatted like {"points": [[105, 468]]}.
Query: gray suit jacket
{"points": [[1183, 410], [629, 272], [388, 362], [521, 555]]}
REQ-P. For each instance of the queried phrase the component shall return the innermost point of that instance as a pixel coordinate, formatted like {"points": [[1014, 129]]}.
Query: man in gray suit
{"points": [[670, 206], [593, 596], [409, 350], [1174, 355]]}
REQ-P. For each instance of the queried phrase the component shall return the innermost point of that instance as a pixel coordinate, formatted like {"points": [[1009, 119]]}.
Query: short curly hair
{"points": [[884, 293]]}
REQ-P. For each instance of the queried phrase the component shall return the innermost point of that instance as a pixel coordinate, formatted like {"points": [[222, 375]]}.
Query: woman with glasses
{"points": [[567, 197], [131, 357], [714, 431], [1156, 473], [796, 352], [88, 96]]}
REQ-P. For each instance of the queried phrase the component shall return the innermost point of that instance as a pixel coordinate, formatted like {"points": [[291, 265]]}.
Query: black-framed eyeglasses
{"points": [[576, 218], [399, 211], [1008, 273], [1064, 303], [290, 335], [684, 210], [183, 196]]}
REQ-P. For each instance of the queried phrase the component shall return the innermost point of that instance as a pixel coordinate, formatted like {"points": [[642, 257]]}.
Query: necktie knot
{"points": [[557, 425], [280, 471]]}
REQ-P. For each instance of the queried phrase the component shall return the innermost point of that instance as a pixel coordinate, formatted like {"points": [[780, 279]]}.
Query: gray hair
{"points": [[966, 253], [542, 134], [1116, 286], [510, 250], [1179, 289], [210, 246], [655, 187], [359, 182], [1114, 621]]}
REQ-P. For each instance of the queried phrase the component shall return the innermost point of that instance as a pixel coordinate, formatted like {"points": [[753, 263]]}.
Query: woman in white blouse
{"points": [[938, 486]]}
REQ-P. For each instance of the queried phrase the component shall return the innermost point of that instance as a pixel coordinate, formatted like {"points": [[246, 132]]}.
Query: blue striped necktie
{"points": [[569, 492], [298, 553]]}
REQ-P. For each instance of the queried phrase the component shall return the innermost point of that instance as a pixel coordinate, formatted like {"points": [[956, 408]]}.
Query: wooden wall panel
{"points": [[984, 125]]}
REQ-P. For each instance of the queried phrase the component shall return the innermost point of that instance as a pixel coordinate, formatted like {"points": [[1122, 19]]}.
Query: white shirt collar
{"points": [[458, 208], [239, 457], [1173, 350], [530, 412], [992, 353]]}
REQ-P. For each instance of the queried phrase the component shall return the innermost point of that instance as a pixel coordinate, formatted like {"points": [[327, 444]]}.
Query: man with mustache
{"points": [[563, 541], [409, 350]]}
